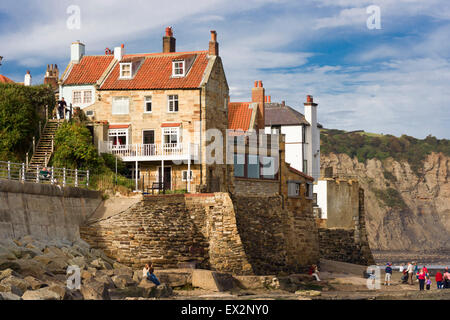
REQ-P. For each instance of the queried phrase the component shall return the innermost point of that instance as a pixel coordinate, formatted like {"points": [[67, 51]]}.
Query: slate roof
{"points": [[277, 114]]}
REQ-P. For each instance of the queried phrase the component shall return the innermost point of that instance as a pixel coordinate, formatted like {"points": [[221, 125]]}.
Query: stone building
{"points": [[153, 110]]}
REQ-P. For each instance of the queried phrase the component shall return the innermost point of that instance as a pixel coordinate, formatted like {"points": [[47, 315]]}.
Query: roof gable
{"points": [[4, 79], [89, 70]]}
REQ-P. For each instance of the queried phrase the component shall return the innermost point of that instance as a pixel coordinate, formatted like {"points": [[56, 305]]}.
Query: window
{"points": [[148, 104], [148, 137], [77, 97], [120, 105], [82, 97], [173, 103], [293, 189], [255, 167], [239, 165], [178, 68], [125, 70], [170, 135], [185, 175], [275, 130], [87, 96], [118, 137], [309, 190]]}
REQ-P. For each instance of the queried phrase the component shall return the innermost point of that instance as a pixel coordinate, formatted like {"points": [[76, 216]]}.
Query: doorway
{"points": [[167, 177]]}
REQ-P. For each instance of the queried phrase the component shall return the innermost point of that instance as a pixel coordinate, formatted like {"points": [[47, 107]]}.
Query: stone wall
{"points": [[242, 236], [44, 212], [254, 187]]}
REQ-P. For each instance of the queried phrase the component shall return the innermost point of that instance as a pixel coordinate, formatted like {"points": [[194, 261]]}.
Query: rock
{"points": [[101, 264], [58, 266], [123, 271], [94, 290], [174, 278], [30, 267], [137, 276], [123, 281], [206, 279], [6, 254], [8, 273], [41, 294], [9, 264], [34, 283], [148, 287], [163, 291], [308, 293], [54, 251], [9, 296], [15, 281], [8, 288], [106, 280], [78, 261]]}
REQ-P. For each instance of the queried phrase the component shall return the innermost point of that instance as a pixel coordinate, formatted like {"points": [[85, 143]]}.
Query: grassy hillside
{"points": [[368, 146]]}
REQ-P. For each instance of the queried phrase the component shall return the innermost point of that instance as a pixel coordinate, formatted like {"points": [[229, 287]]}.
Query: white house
{"points": [[83, 75], [302, 134]]}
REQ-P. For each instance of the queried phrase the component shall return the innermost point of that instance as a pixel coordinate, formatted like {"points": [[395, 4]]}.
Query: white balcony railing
{"points": [[151, 151]]}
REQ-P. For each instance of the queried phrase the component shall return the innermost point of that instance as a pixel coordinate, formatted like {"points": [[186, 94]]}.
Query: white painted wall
{"points": [[67, 93], [322, 196], [312, 153]]}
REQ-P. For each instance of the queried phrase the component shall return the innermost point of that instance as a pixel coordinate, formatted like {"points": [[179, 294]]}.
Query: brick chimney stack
{"points": [[258, 96], [169, 41], [213, 44], [51, 76]]}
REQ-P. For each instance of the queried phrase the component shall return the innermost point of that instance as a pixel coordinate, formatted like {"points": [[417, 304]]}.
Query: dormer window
{"points": [[178, 68], [125, 70]]}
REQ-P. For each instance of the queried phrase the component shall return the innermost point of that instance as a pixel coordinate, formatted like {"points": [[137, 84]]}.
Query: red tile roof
{"points": [[239, 115], [88, 70], [4, 79], [156, 73]]}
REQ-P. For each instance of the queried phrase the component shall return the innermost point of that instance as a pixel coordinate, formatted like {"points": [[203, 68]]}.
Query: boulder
{"points": [[123, 270], [78, 261], [206, 279], [34, 283], [58, 266], [101, 264], [94, 290], [175, 278], [148, 288], [41, 294], [137, 276], [15, 281], [6, 254], [8, 288], [106, 280], [30, 267], [308, 293], [163, 291], [9, 296], [8, 273], [123, 281], [9, 264]]}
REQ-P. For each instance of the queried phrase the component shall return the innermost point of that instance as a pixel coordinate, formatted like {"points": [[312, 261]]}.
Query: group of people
{"points": [[412, 272]]}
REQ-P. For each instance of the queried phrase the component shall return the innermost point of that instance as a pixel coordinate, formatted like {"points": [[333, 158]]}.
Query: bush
{"points": [[391, 198], [74, 148], [21, 108], [110, 162]]}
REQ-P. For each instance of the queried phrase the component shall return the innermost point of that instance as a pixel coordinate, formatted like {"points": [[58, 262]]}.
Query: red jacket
{"points": [[439, 276]]}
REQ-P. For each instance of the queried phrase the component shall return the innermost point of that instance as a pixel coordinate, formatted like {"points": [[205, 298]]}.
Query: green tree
{"points": [[74, 148]]}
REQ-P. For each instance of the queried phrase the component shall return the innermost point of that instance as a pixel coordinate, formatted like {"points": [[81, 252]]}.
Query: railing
{"points": [[46, 175], [150, 150]]}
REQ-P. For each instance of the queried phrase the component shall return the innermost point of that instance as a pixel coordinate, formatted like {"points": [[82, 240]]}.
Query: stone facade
{"points": [[241, 236]]}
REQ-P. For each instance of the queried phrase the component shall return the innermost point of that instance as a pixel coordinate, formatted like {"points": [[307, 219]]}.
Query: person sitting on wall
{"points": [[147, 272], [44, 174], [314, 271]]}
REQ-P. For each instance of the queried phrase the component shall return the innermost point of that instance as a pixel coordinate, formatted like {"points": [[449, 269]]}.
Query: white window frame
{"points": [[171, 98], [184, 175], [121, 112], [80, 92], [145, 104], [171, 131], [121, 76], [176, 68], [294, 189], [90, 96], [117, 133]]}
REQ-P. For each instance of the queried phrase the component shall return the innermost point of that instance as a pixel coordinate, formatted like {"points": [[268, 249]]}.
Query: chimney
{"points": [[119, 52], [312, 152], [213, 44], [269, 99], [27, 80], [51, 76], [258, 96], [77, 51], [169, 41]]}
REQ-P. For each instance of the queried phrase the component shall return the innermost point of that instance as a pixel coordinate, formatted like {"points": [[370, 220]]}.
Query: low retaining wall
{"points": [[45, 212]]}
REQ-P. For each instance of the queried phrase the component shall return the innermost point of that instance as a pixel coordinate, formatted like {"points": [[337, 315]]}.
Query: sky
{"points": [[392, 80]]}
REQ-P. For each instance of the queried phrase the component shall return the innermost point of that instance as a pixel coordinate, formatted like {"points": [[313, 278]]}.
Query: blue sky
{"points": [[394, 80]]}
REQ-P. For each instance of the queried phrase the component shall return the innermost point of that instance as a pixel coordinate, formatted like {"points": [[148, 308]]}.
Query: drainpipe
{"points": [[200, 144]]}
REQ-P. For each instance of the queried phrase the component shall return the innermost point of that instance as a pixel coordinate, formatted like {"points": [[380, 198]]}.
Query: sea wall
{"points": [[238, 235], [45, 212]]}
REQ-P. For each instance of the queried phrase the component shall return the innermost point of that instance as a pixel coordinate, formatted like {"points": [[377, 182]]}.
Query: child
{"points": [[428, 283], [387, 278]]}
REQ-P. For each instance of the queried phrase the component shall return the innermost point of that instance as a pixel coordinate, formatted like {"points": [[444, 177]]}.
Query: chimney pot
{"points": [[122, 46], [256, 83], [269, 99], [309, 99], [260, 84], [213, 44], [169, 41]]}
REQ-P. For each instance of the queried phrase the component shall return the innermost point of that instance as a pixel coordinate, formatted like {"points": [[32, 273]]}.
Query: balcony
{"points": [[151, 152]]}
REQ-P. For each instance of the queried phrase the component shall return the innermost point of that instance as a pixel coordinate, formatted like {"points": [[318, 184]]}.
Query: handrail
{"points": [[148, 150], [45, 175]]}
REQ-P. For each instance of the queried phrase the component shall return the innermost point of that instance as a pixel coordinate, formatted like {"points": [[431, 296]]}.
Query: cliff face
{"points": [[405, 212]]}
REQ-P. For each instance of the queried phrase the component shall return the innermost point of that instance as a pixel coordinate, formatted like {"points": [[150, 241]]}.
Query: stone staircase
{"points": [[44, 148]]}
